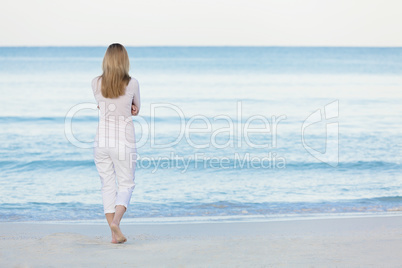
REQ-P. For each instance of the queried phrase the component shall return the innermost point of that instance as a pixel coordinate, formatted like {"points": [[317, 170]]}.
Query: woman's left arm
{"points": [[136, 104]]}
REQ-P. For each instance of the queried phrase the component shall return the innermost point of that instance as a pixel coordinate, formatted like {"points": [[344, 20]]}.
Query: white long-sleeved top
{"points": [[115, 122]]}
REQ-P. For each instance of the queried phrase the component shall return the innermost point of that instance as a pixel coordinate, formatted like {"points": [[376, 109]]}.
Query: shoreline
{"points": [[222, 219], [337, 242]]}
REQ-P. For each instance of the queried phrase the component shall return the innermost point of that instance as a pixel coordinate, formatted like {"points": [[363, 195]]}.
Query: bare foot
{"points": [[120, 238], [114, 241]]}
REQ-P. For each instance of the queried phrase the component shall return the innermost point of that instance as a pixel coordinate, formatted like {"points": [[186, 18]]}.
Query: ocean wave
{"points": [[53, 211], [51, 165], [54, 119], [84, 119], [388, 199], [191, 163]]}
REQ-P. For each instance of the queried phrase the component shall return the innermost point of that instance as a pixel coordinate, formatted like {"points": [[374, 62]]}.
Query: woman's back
{"points": [[115, 114]]}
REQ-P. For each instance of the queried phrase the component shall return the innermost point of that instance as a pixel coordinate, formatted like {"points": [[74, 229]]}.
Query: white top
{"points": [[115, 122]]}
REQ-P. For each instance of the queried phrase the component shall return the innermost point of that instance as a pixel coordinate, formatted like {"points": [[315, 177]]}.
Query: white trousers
{"points": [[113, 167]]}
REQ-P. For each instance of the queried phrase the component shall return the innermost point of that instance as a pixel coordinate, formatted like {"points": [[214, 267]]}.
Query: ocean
{"points": [[223, 133]]}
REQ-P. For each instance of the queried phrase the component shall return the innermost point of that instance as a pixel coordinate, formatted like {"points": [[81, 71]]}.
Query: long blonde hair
{"points": [[115, 66]]}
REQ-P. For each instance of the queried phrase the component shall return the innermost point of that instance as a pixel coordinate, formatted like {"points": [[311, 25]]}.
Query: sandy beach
{"points": [[335, 242]]}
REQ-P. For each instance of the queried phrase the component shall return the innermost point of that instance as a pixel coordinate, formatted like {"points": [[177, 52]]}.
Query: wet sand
{"points": [[336, 242]]}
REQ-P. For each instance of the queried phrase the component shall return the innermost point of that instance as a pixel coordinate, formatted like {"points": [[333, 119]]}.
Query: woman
{"points": [[118, 97]]}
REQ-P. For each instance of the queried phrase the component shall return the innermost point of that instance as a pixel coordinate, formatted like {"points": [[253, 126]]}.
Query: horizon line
{"points": [[197, 46]]}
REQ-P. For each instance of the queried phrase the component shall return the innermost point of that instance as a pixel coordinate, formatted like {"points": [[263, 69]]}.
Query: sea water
{"points": [[222, 132]]}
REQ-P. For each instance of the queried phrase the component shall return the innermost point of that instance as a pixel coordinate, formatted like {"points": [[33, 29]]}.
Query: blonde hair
{"points": [[115, 66]]}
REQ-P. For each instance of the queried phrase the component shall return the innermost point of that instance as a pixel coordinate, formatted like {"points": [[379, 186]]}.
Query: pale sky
{"points": [[201, 22]]}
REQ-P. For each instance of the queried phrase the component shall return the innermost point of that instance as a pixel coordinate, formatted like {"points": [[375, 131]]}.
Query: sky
{"points": [[201, 23]]}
